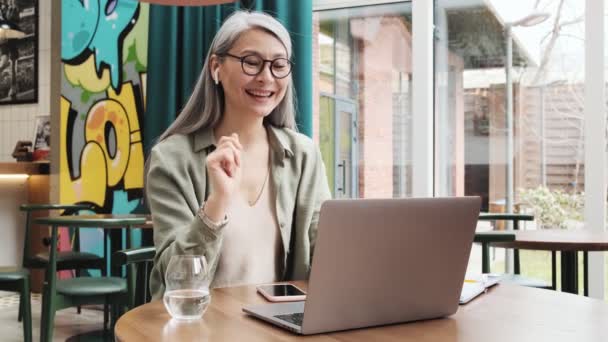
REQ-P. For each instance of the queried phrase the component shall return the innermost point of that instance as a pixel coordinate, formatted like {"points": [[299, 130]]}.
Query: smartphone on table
{"points": [[281, 292]]}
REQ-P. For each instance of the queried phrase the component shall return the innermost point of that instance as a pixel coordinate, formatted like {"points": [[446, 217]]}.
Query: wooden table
{"points": [[28, 168], [567, 242], [505, 313]]}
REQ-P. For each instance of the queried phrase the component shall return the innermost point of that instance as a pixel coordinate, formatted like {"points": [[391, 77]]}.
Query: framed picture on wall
{"points": [[19, 52], [42, 137]]}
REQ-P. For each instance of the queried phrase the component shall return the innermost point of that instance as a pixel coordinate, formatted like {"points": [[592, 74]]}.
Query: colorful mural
{"points": [[104, 60]]}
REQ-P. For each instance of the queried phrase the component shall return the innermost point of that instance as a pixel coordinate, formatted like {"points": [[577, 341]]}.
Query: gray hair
{"points": [[205, 107]]}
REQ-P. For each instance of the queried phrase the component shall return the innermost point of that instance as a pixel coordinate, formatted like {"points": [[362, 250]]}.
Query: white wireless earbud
{"points": [[216, 76]]}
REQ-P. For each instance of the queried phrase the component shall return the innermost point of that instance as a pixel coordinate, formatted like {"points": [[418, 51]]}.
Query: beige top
{"points": [[176, 185], [252, 242]]}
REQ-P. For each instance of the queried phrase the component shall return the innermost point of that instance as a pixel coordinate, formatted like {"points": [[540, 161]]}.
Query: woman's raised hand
{"points": [[224, 171]]}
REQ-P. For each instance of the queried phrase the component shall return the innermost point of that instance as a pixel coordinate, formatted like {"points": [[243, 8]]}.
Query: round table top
{"points": [[98, 221], [557, 240], [505, 313]]}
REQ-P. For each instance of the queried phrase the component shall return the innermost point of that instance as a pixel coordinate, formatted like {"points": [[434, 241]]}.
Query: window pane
{"points": [[546, 160], [363, 91], [547, 77]]}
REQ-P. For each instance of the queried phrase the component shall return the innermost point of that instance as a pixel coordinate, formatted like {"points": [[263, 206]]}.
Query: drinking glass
{"points": [[187, 287]]}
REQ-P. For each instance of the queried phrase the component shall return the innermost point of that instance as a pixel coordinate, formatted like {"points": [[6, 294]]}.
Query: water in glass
{"points": [[186, 304], [187, 287]]}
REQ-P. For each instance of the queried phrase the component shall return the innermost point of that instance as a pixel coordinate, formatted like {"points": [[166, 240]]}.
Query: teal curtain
{"points": [[296, 16], [177, 44]]}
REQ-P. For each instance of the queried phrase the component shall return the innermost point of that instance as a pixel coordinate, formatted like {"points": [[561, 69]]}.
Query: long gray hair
{"points": [[205, 107]]}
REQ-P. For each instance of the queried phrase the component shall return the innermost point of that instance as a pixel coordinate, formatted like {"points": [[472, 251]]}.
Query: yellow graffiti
{"points": [[133, 178], [101, 165], [85, 76], [102, 113], [86, 188]]}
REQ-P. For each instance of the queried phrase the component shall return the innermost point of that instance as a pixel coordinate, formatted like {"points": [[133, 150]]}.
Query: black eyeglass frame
{"points": [[264, 61]]}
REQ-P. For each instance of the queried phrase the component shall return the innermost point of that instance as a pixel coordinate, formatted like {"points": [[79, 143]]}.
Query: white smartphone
{"points": [[281, 292]]}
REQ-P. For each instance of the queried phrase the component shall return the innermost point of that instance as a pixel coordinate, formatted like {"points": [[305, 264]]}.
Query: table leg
{"points": [[586, 274], [516, 263], [569, 267], [47, 319], [105, 273], [130, 237], [131, 269], [485, 257], [115, 245], [554, 270]]}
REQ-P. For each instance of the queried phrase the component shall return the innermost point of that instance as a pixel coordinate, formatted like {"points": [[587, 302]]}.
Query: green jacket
{"points": [[176, 186]]}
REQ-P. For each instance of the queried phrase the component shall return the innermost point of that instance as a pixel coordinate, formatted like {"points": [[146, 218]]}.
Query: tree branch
{"points": [[550, 46], [571, 22]]}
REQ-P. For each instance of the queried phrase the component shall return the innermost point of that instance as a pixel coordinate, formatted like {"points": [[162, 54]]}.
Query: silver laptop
{"points": [[382, 261]]}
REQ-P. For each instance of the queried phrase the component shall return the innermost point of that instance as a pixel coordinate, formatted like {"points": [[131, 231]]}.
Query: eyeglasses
{"points": [[253, 65]]}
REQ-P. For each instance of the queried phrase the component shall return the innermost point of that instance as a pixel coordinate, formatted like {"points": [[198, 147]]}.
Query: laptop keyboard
{"points": [[294, 318]]}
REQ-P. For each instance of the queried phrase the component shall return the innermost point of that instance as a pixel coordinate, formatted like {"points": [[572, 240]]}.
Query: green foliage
{"points": [[553, 208]]}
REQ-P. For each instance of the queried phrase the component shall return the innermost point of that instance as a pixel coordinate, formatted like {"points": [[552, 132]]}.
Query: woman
{"points": [[231, 178]]}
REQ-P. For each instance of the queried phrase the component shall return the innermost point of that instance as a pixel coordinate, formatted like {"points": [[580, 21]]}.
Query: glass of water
{"points": [[187, 287]]}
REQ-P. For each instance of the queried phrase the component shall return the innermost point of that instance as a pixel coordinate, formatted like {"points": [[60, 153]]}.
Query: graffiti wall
{"points": [[104, 60]]}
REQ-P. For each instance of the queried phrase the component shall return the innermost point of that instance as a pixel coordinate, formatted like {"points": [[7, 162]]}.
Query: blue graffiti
{"points": [[98, 27], [122, 204], [78, 26]]}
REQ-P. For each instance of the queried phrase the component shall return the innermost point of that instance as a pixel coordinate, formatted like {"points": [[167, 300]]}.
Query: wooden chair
{"points": [[18, 280], [59, 294], [62, 293], [66, 260]]}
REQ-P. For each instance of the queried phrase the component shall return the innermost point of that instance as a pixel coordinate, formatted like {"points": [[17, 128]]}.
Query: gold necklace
{"points": [[251, 204]]}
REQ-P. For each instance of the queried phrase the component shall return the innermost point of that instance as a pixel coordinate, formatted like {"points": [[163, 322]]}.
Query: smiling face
{"points": [[251, 95]]}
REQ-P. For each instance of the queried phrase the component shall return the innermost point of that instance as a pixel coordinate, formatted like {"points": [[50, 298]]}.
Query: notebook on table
{"points": [[474, 286]]}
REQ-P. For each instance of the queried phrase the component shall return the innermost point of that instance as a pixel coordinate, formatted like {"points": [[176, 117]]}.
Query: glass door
{"points": [[346, 139], [363, 73], [338, 141]]}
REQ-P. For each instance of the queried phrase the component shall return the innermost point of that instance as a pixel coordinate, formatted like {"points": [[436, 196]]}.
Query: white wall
{"points": [[17, 121], [14, 193]]}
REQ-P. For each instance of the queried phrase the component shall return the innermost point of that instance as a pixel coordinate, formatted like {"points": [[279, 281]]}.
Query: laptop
{"points": [[382, 261]]}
